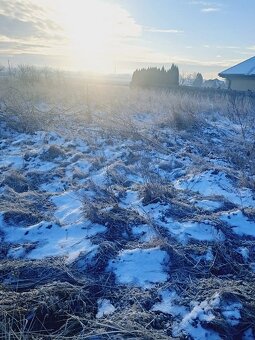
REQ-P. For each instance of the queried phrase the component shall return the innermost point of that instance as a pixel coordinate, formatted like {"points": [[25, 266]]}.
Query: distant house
{"points": [[214, 84], [241, 77]]}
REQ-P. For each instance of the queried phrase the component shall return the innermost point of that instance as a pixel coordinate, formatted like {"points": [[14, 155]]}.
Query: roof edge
{"points": [[221, 74], [236, 75]]}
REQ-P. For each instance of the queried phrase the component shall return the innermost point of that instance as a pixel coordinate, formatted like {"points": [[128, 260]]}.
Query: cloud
{"points": [[38, 28], [158, 30], [228, 47], [205, 63], [222, 47], [251, 48], [210, 9], [15, 28], [207, 7], [31, 26], [27, 27]]}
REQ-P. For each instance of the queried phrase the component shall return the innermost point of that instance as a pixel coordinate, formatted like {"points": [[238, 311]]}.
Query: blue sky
{"points": [[120, 35], [210, 35]]}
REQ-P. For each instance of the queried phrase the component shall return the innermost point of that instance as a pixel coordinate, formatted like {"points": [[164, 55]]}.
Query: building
{"points": [[241, 77]]}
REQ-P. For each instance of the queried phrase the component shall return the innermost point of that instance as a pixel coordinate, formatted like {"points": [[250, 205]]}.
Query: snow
{"points": [[69, 236], [144, 232], [100, 178], [39, 165], [240, 224], [208, 256], [140, 267], [49, 239], [246, 68], [184, 231], [209, 205], [244, 252], [104, 308], [69, 207], [14, 162], [231, 312], [168, 304], [54, 186], [103, 171], [81, 165], [248, 335], [156, 211], [191, 322], [131, 199], [194, 230], [210, 183]]}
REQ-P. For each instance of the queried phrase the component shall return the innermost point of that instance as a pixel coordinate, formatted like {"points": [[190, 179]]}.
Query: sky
{"points": [[118, 36]]}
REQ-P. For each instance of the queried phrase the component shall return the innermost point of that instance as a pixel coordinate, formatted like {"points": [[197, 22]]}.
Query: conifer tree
{"points": [[155, 77], [198, 81]]}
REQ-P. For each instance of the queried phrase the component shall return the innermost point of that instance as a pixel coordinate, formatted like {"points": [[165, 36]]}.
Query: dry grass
{"points": [[50, 300]]}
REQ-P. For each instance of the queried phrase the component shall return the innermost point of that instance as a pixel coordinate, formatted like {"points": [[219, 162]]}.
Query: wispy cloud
{"points": [[34, 27], [251, 48], [206, 6], [206, 63], [158, 30], [210, 9], [228, 47]]}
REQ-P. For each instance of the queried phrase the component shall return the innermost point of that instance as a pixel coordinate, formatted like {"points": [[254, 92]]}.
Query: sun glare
{"points": [[91, 29]]}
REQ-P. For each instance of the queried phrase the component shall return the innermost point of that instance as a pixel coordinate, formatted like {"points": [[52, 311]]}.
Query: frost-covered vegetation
{"points": [[125, 213]]}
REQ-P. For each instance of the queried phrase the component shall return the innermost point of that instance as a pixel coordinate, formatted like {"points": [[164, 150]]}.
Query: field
{"points": [[125, 213]]}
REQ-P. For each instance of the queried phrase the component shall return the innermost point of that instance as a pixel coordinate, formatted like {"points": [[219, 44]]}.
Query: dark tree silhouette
{"points": [[155, 77]]}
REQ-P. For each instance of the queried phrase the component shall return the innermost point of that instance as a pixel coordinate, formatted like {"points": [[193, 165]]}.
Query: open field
{"points": [[125, 213]]}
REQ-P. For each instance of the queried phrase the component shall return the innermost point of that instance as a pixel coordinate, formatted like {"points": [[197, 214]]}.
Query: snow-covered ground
{"points": [[157, 208]]}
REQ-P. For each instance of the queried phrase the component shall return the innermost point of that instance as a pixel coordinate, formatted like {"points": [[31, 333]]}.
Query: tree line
{"points": [[156, 77]]}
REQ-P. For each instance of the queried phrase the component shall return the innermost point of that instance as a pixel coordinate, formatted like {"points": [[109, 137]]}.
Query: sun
{"points": [[91, 30]]}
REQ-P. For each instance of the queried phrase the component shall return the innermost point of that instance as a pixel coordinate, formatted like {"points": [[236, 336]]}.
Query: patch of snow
{"points": [[140, 267], [231, 312], [244, 252], [209, 205], [144, 232], [81, 165], [208, 256], [210, 183], [49, 239], [54, 186], [195, 230], [15, 162], [104, 308], [69, 207], [43, 107], [39, 165], [131, 199], [100, 178], [248, 335], [240, 224], [182, 231], [252, 266], [168, 304], [155, 211], [18, 252], [191, 322]]}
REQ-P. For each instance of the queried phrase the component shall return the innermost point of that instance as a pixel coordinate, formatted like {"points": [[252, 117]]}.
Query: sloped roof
{"points": [[245, 68]]}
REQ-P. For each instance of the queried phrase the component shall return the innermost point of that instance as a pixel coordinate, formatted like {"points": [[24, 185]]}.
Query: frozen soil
{"points": [[122, 233]]}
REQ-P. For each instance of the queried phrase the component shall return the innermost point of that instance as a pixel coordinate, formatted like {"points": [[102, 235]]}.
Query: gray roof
{"points": [[245, 68]]}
